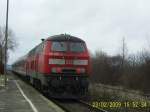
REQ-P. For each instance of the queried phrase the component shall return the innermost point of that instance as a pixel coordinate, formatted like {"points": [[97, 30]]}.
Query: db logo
{"points": [[69, 62]]}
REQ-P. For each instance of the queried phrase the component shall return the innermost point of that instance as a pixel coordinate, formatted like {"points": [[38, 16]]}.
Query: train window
{"points": [[59, 46], [76, 47]]}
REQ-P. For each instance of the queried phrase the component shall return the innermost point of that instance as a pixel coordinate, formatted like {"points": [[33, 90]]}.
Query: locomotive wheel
{"points": [[39, 85], [44, 89]]}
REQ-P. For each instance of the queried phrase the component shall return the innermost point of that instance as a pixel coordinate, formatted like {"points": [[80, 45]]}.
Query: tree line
{"points": [[132, 71]]}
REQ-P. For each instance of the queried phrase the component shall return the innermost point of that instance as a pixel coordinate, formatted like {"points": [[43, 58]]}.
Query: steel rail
{"points": [[90, 106]]}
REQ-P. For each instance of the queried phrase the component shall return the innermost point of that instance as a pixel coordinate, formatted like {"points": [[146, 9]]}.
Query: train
{"points": [[58, 66]]}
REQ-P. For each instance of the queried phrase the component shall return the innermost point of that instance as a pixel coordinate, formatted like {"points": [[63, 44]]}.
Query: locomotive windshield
{"points": [[76, 47], [59, 46], [68, 46]]}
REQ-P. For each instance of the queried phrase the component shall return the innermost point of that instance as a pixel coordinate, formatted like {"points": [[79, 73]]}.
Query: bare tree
{"points": [[123, 52], [123, 64], [11, 44]]}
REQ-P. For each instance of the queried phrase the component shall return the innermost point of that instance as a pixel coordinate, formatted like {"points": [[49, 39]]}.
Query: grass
{"points": [[104, 93]]}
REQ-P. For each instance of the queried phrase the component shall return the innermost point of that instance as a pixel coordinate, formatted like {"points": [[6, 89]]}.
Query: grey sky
{"points": [[101, 23]]}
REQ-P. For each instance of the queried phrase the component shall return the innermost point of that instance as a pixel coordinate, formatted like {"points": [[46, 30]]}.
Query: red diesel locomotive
{"points": [[59, 66]]}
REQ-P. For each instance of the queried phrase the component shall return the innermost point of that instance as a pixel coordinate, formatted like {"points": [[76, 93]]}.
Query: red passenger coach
{"points": [[59, 66]]}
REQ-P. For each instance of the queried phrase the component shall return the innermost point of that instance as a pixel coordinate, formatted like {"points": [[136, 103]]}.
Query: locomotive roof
{"points": [[65, 37]]}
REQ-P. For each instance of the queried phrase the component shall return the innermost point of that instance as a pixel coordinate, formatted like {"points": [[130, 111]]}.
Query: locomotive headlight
{"points": [[56, 61], [80, 62]]}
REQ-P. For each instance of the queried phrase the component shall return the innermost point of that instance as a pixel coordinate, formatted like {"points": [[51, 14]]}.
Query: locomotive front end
{"points": [[68, 67]]}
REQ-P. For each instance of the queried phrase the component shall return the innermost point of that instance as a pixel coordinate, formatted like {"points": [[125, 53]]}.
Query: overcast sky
{"points": [[101, 23]]}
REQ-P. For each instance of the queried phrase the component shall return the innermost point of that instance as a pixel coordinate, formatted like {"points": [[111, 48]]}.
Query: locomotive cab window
{"points": [[76, 47], [59, 46]]}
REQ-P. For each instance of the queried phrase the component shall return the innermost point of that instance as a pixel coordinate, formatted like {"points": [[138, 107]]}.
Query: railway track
{"points": [[95, 109], [84, 106], [76, 106]]}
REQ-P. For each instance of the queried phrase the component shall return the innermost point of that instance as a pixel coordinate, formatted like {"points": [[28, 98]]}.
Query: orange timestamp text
{"points": [[120, 104]]}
